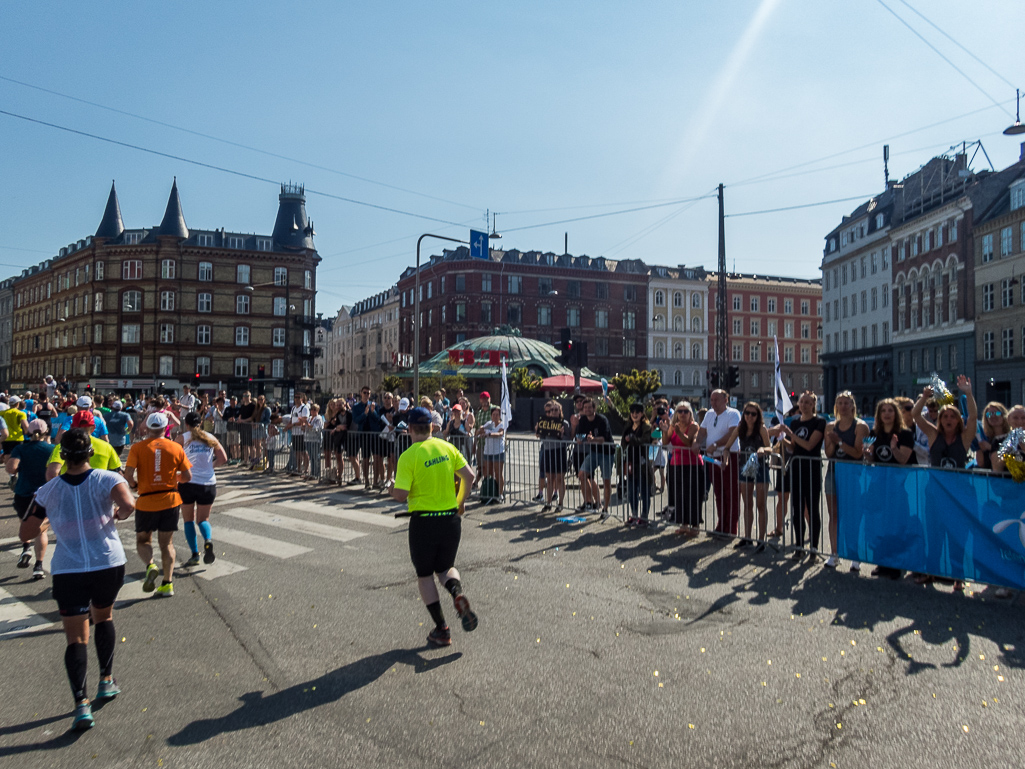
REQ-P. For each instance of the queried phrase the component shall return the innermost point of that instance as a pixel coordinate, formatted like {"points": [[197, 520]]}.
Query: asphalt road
{"points": [[598, 646]]}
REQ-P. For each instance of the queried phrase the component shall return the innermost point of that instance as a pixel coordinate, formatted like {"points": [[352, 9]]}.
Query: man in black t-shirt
{"points": [[245, 429], [594, 436], [232, 434]]}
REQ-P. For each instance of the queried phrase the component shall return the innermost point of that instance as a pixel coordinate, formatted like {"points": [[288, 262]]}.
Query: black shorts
{"points": [[157, 520], [9, 446], [379, 446], [433, 542], [197, 493], [554, 461], [21, 505], [75, 592], [338, 442], [298, 443]]}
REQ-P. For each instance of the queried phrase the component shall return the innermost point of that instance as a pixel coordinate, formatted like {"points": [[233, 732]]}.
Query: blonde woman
{"points": [[686, 473], [994, 429], [205, 453], [843, 442]]}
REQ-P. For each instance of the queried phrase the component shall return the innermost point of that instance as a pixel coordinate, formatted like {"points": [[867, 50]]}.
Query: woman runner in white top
{"points": [[205, 453], [88, 562]]}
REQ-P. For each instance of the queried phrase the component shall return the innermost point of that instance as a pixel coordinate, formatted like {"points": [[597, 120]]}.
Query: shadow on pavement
{"points": [[64, 740], [259, 710]]}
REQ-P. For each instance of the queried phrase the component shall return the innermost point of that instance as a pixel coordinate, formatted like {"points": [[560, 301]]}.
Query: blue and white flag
{"points": [[783, 403]]}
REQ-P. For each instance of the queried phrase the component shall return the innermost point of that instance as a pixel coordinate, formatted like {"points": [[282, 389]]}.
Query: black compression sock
{"points": [[76, 662], [436, 613], [454, 587], [106, 640]]}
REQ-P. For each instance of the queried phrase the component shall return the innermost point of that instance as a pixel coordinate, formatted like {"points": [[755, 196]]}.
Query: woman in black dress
{"points": [[804, 441]]}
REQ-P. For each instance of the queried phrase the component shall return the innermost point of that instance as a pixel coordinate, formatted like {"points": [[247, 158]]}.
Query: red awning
{"points": [[565, 382]]}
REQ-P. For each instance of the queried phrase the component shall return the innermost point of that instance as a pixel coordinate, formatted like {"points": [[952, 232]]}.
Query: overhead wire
{"points": [[939, 53], [678, 202], [231, 143], [802, 205], [223, 169]]}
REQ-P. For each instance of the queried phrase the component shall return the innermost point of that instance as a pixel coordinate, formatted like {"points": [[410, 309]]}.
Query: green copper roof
{"points": [[480, 358]]}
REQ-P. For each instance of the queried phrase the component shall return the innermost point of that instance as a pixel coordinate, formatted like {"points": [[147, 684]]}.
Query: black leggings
{"points": [[806, 491], [686, 482]]}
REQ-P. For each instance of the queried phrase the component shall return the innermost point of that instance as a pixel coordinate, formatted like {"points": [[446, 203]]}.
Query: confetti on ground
{"points": [[690, 726], [964, 728]]}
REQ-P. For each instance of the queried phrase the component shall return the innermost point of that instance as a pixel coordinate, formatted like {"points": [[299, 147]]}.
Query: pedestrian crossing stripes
{"points": [[265, 545], [293, 524], [356, 516], [16, 617]]}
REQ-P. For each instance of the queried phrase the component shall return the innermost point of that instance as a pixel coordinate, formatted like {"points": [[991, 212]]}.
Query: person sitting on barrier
{"points": [[1015, 419], [638, 457], [804, 439], [894, 445], [553, 432], [994, 429], [753, 437], [493, 459], [843, 442], [594, 435], [686, 474]]}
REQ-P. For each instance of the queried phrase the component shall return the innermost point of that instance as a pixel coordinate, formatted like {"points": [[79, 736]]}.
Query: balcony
{"points": [[308, 352], [304, 321]]}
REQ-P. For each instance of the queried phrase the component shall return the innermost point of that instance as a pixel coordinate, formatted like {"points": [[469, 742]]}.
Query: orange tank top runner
{"points": [[157, 463]]}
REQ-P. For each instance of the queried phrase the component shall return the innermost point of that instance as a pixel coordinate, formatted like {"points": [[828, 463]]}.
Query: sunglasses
{"points": [[991, 414], [750, 413], [908, 408]]}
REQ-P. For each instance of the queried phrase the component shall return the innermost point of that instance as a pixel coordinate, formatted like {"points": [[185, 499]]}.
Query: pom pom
{"points": [[750, 467], [1016, 467], [940, 391]]}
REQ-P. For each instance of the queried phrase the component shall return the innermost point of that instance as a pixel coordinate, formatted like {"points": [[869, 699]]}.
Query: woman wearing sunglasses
{"points": [[844, 436], [686, 473], [994, 429], [804, 441], [639, 473], [753, 437]]}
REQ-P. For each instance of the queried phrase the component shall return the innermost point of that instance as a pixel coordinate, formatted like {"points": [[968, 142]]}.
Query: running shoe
{"points": [[632, 521], [465, 614], [605, 514], [108, 690], [208, 553], [558, 508], [642, 523], [193, 561], [440, 636], [150, 583], [26, 559], [83, 717], [797, 555], [37, 572], [539, 498], [166, 590], [546, 509], [831, 562], [581, 508]]}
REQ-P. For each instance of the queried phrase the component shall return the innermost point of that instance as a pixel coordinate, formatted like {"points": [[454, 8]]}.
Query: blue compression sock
{"points": [[204, 529], [190, 535]]}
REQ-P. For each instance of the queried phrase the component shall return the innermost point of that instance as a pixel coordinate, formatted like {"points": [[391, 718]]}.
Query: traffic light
{"points": [[565, 348], [580, 355], [713, 379], [732, 377]]}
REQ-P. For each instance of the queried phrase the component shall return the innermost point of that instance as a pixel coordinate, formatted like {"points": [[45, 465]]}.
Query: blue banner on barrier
{"points": [[948, 524]]}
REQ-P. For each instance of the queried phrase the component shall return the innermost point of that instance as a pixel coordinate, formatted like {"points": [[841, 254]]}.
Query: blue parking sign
{"points": [[479, 248]]}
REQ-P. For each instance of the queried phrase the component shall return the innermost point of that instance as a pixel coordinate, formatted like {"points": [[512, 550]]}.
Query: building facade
{"points": [[759, 308], [6, 331], [150, 309], [1000, 297], [366, 341], [601, 301], [677, 321], [856, 319]]}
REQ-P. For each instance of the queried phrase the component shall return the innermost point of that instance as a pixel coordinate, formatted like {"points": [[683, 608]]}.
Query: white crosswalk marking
{"points": [[255, 542], [9, 541], [293, 524], [219, 568], [237, 496], [374, 519], [16, 617]]}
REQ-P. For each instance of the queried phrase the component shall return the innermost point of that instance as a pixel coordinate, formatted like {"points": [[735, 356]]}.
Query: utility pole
{"points": [[722, 331]]}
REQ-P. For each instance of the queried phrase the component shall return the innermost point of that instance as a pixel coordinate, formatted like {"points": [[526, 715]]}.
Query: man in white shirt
{"points": [[716, 426], [298, 419], [187, 401]]}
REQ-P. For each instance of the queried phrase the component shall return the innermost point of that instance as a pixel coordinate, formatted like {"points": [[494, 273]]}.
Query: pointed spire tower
{"points": [[292, 230], [173, 222], [111, 225]]}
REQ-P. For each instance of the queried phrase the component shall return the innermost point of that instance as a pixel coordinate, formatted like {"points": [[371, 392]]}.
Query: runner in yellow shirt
{"points": [[426, 478], [104, 455]]}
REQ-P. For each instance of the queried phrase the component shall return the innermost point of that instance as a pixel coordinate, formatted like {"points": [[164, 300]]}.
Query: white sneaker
{"points": [[831, 562]]}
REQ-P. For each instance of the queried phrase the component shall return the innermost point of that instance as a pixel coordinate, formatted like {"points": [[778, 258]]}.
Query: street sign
{"points": [[479, 245]]}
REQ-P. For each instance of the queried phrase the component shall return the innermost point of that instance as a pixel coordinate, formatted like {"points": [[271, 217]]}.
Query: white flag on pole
{"points": [[783, 403], [506, 406]]}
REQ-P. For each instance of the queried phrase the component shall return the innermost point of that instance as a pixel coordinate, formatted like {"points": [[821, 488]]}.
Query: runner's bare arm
{"points": [[124, 501]]}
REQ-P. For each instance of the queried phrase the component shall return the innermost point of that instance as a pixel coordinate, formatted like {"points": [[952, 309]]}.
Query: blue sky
{"points": [[539, 111]]}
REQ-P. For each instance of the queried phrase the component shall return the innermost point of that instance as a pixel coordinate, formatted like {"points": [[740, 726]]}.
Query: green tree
{"points": [[391, 383], [524, 382], [636, 384], [453, 384]]}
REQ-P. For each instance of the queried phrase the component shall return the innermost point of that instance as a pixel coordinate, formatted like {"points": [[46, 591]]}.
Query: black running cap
{"points": [[75, 444], [192, 419]]}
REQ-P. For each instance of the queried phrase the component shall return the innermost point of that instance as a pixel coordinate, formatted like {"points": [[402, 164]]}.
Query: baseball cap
{"points": [[457, 407], [403, 404], [83, 418], [85, 402], [37, 426], [157, 420], [419, 416], [116, 405], [485, 395], [13, 400], [636, 407]]}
